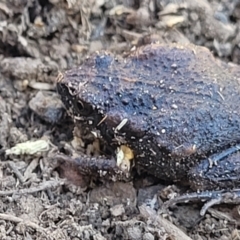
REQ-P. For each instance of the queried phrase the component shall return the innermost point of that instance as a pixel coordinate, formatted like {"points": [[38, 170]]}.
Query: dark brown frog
{"points": [[176, 107]]}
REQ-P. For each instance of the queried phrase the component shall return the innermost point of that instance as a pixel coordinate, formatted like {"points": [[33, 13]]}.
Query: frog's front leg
{"points": [[96, 167], [218, 177]]}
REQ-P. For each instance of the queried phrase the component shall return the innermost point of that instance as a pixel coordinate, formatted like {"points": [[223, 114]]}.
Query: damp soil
{"points": [[41, 198]]}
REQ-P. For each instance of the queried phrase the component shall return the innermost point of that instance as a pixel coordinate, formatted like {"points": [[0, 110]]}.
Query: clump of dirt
{"points": [[39, 38]]}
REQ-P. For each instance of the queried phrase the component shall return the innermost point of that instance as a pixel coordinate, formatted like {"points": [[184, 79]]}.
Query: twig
{"points": [[169, 227], [41, 187], [30, 168], [15, 219], [16, 171]]}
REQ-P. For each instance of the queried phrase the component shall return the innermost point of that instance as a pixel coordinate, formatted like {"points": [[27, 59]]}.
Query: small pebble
{"points": [[47, 106], [117, 210], [148, 236]]}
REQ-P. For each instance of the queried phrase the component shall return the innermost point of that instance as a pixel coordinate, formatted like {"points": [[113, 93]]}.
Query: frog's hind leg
{"points": [[219, 171], [216, 180], [211, 197]]}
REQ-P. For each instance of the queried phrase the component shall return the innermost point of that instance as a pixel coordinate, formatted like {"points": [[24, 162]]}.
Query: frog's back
{"points": [[181, 94], [185, 96], [192, 106], [179, 100]]}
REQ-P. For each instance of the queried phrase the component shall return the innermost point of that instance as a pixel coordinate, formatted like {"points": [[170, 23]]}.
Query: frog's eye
{"points": [[79, 105], [82, 108]]}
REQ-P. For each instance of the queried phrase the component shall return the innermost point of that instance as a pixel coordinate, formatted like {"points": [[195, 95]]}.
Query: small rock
{"points": [[148, 236], [47, 106], [98, 236], [114, 193], [148, 196], [106, 223], [28, 68], [117, 210], [134, 233]]}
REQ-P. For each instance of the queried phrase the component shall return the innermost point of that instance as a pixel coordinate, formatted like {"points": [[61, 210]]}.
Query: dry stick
{"points": [[41, 187], [16, 171], [12, 218], [30, 168], [170, 228]]}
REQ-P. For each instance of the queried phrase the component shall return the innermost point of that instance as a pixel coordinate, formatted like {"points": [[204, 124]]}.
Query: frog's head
{"points": [[89, 94], [90, 91], [77, 109]]}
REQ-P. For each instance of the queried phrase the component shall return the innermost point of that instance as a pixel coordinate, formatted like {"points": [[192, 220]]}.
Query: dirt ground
{"points": [[39, 38]]}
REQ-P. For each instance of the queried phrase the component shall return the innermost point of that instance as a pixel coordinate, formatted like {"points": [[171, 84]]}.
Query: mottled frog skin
{"points": [[180, 103]]}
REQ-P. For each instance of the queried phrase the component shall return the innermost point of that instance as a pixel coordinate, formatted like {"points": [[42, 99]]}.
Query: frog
{"points": [[175, 108]]}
